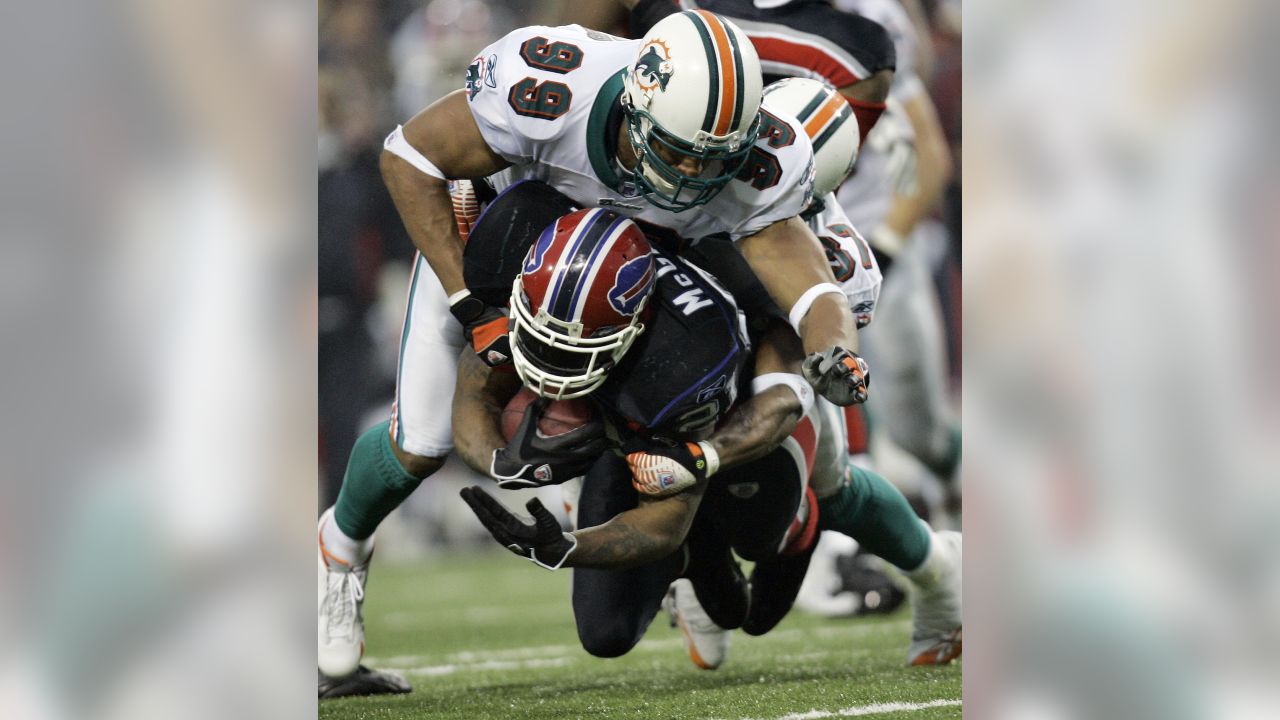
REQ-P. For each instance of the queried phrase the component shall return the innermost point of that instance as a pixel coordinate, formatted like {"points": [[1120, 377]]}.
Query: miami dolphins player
{"points": [[666, 130]]}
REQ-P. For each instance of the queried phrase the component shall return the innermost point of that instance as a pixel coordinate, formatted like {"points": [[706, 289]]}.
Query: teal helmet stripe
{"points": [[804, 115], [713, 65], [739, 77], [825, 135]]}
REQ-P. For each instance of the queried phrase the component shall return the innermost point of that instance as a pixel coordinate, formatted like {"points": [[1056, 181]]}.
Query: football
{"points": [[558, 418]]}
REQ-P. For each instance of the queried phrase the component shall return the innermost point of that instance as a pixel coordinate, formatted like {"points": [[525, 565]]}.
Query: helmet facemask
{"points": [[667, 187]]}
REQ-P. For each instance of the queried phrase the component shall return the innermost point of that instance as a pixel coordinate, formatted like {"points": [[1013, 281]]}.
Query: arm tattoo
{"points": [[636, 537]]}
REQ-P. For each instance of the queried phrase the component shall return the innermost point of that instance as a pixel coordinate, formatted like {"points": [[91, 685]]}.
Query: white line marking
{"points": [[434, 670], [649, 644], [876, 709]]}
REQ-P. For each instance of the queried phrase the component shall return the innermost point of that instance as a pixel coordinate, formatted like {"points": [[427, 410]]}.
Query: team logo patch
{"points": [[479, 74], [542, 473], [631, 285], [654, 69], [862, 313]]}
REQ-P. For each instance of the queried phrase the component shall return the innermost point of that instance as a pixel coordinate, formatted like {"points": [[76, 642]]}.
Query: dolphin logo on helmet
{"points": [[693, 136], [653, 69]]}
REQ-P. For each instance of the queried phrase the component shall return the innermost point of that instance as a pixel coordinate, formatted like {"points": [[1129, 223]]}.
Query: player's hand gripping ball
{"points": [[547, 442]]}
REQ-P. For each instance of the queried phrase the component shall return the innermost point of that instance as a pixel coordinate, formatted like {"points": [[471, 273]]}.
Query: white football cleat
{"points": [[340, 633], [936, 637], [706, 642]]}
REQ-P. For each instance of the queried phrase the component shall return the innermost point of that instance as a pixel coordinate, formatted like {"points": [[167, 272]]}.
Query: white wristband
{"points": [[454, 298], [713, 459], [798, 385], [397, 145], [801, 308]]}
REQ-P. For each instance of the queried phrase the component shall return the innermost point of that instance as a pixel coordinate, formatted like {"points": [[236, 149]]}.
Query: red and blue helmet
{"points": [[577, 302]]}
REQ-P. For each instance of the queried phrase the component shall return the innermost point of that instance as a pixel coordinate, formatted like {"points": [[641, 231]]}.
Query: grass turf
{"points": [[486, 635]]}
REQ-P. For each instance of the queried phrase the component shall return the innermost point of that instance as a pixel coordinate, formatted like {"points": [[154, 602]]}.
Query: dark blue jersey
{"points": [[682, 374]]}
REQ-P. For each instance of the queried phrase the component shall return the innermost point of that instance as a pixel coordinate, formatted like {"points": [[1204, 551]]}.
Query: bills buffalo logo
{"points": [[654, 70], [533, 260], [631, 285], [479, 74]]}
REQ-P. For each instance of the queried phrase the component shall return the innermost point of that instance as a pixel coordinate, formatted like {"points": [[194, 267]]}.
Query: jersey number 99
{"points": [[549, 99]]}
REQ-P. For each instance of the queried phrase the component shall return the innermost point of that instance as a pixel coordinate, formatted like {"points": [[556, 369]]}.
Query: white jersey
{"points": [[542, 98], [887, 161], [852, 261]]}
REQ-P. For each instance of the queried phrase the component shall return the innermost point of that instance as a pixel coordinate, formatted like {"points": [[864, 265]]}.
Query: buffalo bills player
{"points": [[579, 304], [675, 383]]}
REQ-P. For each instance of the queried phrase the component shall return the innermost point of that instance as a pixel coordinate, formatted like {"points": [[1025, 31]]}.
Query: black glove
{"points": [[658, 470], [542, 542], [532, 459], [486, 328], [838, 375]]}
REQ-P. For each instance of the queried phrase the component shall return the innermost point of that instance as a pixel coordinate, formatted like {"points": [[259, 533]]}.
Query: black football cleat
{"points": [[363, 682]]}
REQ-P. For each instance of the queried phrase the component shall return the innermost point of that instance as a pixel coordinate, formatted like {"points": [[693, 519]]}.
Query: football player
{"points": [[936, 603], [803, 38], [652, 129], [868, 49], [577, 306], [613, 608]]}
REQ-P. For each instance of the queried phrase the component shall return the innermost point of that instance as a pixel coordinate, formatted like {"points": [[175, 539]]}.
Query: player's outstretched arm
{"points": [[789, 261], [636, 537]]}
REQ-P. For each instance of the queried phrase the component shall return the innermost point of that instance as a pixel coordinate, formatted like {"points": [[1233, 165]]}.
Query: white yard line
{"points": [[449, 669], [875, 709], [651, 644]]}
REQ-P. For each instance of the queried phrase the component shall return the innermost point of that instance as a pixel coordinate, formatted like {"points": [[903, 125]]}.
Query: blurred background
{"points": [[381, 62]]}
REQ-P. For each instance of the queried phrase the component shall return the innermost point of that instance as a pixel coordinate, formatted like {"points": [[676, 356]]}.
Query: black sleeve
{"points": [[647, 13], [720, 257], [501, 237]]}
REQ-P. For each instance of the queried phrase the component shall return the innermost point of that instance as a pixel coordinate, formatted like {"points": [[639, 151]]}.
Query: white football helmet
{"points": [[692, 91], [829, 122]]}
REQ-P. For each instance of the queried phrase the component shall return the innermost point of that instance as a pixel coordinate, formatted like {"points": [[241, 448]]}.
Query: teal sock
{"points": [[375, 484], [945, 468], [872, 511]]}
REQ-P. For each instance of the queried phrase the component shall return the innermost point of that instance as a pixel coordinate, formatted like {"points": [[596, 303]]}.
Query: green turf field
{"points": [[487, 635]]}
